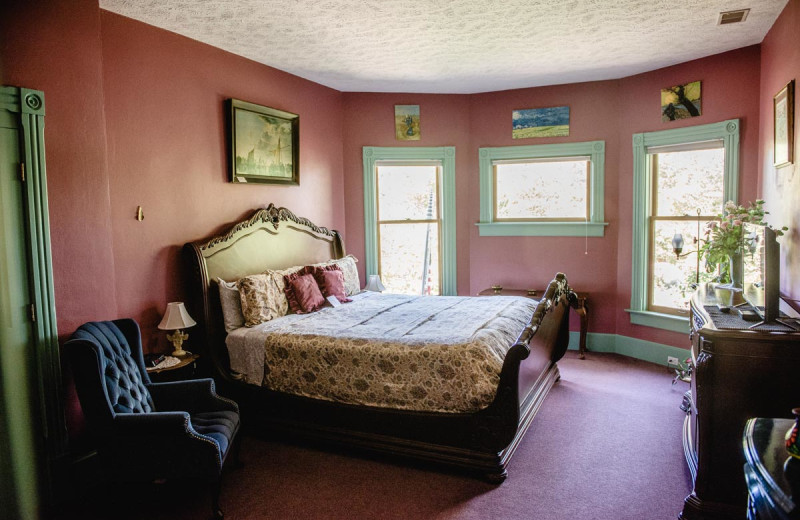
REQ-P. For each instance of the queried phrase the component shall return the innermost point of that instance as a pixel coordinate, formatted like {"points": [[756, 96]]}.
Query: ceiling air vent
{"points": [[736, 16]]}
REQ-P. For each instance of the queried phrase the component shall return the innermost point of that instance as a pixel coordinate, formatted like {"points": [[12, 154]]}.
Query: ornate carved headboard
{"points": [[272, 238]]}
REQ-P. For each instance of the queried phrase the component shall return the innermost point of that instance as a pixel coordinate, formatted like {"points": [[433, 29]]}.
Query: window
{"points": [[682, 178], [542, 190], [409, 201]]}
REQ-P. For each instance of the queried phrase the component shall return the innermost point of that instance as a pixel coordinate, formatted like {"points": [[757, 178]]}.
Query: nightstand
{"points": [[186, 369], [770, 473], [578, 304]]}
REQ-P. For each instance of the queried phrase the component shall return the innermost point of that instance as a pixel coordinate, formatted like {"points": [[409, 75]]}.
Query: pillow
{"points": [[348, 266], [262, 297], [231, 305], [302, 291], [331, 282]]}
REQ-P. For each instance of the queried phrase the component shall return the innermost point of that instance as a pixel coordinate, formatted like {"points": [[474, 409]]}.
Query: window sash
{"points": [[438, 203], [543, 160], [728, 132]]}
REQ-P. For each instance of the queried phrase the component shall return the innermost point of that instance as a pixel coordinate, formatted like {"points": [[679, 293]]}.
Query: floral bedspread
{"points": [[440, 354]]}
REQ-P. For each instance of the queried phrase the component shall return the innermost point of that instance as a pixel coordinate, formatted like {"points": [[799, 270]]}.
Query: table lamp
{"points": [[177, 318], [374, 284]]}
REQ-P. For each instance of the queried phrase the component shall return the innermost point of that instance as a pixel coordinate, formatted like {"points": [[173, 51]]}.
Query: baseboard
{"points": [[627, 346]]}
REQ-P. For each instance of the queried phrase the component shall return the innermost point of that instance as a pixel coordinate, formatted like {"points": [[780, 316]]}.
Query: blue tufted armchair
{"points": [[148, 431]]}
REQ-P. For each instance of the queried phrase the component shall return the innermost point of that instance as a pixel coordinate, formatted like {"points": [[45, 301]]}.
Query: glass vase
{"points": [[735, 272]]}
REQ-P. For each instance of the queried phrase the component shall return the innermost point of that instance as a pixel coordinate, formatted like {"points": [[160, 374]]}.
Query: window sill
{"points": [[660, 320], [541, 229]]}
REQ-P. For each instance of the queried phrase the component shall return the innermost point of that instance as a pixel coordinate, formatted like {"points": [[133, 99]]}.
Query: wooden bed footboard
{"points": [[482, 442]]}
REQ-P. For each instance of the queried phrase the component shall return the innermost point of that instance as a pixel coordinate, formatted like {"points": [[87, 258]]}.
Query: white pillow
{"points": [[231, 305]]}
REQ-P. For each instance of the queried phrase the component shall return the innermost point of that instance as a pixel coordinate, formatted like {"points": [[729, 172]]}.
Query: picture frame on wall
{"points": [[783, 140], [264, 144]]}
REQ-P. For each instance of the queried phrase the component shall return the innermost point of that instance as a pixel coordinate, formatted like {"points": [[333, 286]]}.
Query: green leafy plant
{"points": [[724, 238]]}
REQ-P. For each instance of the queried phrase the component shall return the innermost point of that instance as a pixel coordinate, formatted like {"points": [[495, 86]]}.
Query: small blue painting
{"points": [[540, 122]]}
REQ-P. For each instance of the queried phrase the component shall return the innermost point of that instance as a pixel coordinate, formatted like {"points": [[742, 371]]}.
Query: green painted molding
{"points": [[627, 346], [660, 320], [728, 132], [447, 156], [595, 227], [28, 108], [542, 229]]}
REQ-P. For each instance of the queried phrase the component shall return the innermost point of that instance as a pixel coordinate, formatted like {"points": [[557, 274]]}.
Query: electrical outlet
{"points": [[672, 361]]}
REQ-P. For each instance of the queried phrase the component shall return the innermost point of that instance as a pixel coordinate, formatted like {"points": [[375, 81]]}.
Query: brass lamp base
{"points": [[177, 338]]}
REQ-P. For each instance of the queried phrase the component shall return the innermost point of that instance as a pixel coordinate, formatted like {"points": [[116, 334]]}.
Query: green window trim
{"points": [[728, 132], [593, 227], [447, 156]]}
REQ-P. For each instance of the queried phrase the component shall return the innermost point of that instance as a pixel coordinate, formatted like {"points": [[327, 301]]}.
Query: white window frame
{"points": [[446, 156], [728, 133], [593, 226]]}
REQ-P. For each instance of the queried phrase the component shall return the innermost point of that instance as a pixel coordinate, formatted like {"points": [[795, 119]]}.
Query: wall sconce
{"points": [[374, 284], [677, 248], [177, 318]]}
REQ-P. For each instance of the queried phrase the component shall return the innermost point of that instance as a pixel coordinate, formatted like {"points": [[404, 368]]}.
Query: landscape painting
{"points": [[406, 122], [540, 122], [264, 144], [680, 101]]}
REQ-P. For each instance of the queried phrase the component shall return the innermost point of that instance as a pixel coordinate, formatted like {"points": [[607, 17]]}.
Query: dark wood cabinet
{"points": [[738, 373]]}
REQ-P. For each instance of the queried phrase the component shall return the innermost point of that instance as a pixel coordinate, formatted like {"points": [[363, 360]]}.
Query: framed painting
{"points": [[783, 144], [681, 101], [540, 122], [406, 122], [265, 144]]}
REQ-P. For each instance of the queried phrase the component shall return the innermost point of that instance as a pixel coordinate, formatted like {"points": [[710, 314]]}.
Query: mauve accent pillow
{"points": [[331, 282], [302, 292]]}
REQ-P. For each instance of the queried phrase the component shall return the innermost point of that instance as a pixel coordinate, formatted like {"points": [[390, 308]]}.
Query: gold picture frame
{"points": [[264, 144], [783, 138]]}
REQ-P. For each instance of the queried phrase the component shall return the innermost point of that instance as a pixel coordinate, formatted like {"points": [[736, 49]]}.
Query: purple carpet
{"points": [[606, 444]]}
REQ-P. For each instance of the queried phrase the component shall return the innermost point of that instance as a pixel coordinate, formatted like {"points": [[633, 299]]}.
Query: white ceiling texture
{"points": [[459, 46]]}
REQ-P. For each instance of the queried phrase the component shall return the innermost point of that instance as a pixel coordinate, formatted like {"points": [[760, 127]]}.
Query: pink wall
{"points": [[780, 63], [725, 95], [167, 151], [55, 47], [370, 122], [608, 110], [135, 117], [533, 261]]}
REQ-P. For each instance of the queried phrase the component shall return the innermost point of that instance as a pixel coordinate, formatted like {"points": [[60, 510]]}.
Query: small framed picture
{"points": [[265, 144], [406, 122], [783, 145]]}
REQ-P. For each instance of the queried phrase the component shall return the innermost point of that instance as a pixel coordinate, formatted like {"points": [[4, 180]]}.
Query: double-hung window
{"points": [[544, 190], [682, 178], [409, 203]]}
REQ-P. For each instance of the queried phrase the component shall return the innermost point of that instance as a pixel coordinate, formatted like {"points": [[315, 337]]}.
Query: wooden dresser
{"points": [[737, 374]]}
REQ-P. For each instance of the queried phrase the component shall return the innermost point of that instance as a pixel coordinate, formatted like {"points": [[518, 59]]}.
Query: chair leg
{"points": [[216, 512]]}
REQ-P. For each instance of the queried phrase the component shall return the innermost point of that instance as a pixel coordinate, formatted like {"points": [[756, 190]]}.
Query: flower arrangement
{"points": [[724, 239]]}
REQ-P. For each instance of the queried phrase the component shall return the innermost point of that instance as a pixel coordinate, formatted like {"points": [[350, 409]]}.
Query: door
{"points": [[17, 451]]}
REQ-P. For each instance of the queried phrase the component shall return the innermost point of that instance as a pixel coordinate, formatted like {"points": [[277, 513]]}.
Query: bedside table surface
{"points": [[183, 362]]}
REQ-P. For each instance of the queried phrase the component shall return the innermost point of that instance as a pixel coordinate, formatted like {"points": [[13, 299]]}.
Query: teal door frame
{"points": [[50, 436]]}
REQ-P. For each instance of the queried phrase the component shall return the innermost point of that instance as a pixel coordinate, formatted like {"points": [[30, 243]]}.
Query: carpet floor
{"points": [[605, 444]]}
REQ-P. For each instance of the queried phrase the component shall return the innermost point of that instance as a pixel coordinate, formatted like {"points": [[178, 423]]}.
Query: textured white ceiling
{"points": [[459, 46]]}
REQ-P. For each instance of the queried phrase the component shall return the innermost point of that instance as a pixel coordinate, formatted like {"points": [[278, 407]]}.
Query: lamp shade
{"points": [[677, 243], [374, 284], [176, 317]]}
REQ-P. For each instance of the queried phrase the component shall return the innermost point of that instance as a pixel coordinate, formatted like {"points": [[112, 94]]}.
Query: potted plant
{"points": [[722, 247]]}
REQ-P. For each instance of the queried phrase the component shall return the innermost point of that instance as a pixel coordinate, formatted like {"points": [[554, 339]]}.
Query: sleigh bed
{"points": [[478, 434]]}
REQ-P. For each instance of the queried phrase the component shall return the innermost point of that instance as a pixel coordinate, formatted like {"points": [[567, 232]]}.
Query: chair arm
{"points": [[154, 423], [159, 445], [194, 395]]}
